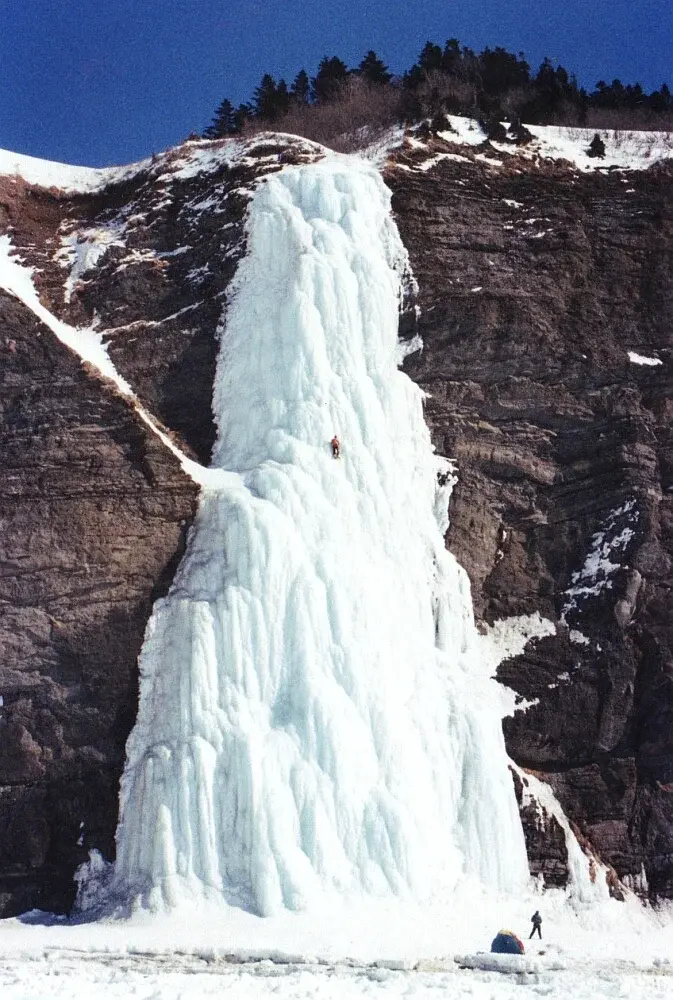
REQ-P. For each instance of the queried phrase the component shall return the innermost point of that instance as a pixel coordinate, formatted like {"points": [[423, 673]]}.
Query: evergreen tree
{"points": [[224, 122], [501, 71], [661, 100], [265, 99], [635, 95], [608, 96], [431, 57], [332, 73], [554, 89], [241, 115], [282, 99], [373, 70], [301, 88], [455, 78], [451, 56]]}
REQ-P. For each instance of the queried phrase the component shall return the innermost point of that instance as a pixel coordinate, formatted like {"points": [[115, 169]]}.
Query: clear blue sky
{"points": [[109, 81]]}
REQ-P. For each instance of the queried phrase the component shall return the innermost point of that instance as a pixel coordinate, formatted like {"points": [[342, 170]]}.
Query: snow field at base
{"points": [[313, 715], [587, 953]]}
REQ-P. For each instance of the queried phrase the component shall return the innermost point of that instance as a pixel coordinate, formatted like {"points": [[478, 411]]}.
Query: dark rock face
{"points": [[535, 281], [94, 516], [563, 446]]}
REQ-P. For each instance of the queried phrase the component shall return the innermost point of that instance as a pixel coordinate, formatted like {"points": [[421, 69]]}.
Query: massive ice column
{"points": [[312, 717]]}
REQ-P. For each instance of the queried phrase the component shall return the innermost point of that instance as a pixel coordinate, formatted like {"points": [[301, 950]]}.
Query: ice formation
{"points": [[313, 715]]}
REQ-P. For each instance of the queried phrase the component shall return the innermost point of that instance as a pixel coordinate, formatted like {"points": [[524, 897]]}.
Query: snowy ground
{"points": [[609, 951]]}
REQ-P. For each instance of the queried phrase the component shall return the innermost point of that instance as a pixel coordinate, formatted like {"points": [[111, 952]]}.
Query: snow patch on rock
{"points": [[505, 638], [82, 249], [642, 359], [599, 568]]}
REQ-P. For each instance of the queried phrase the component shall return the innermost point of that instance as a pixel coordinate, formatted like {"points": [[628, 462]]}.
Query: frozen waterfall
{"points": [[313, 716]]}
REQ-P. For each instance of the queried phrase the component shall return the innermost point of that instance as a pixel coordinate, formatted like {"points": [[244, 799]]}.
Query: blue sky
{"points": [[109, 81]]}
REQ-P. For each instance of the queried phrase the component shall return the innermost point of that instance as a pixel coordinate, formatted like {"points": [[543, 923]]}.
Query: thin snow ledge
{"points": [[88, 345]]}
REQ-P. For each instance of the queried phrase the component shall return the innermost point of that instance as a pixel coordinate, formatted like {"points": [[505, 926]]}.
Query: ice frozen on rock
{"points": [[313, 717]]}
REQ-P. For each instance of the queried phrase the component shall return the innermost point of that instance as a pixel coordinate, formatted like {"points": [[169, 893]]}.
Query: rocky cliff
{"points": [[546, 308], [536, 279]]}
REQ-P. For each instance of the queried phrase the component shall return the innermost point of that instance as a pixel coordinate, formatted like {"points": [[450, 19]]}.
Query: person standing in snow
{"points": [[336, 447], [536, 920]]}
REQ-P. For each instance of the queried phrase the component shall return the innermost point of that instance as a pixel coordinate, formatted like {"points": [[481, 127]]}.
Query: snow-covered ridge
{"points": [[71, 179], [193, 157], [179, 163], [631, 150], [625, 150]]}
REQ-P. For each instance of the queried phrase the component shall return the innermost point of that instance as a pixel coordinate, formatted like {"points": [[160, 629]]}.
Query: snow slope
{"points": [[193, 158], [626, 150], [64, 176], [313, 714]]}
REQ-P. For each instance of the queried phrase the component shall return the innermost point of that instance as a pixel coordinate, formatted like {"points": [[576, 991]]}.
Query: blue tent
{"points": [[507, 943]]}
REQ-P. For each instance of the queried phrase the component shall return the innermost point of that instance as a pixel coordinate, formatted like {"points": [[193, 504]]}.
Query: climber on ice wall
{"points": [[336, 447]]}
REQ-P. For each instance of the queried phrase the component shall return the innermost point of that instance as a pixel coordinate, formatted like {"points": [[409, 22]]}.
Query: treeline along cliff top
{"points": [[493, 84]]}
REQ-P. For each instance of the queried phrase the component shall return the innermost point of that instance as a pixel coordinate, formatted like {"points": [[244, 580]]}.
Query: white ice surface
{"points": [[313, 716]]}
